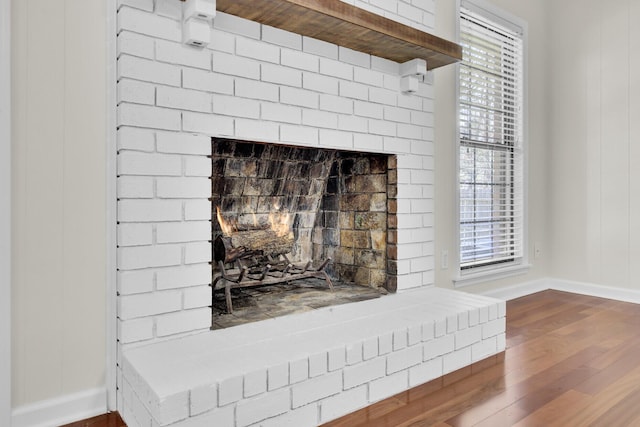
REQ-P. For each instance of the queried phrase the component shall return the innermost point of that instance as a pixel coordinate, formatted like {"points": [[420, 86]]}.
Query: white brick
{"points": [[203, 399], [298, 370], [135, 282], [237, 107], [135, 187], [300, 97], [257, 129], [305, 416], [131, 258], [493, 328], [178, 53], [183, 276], [260, 408], [317, 364], [363, 373], [190, 231], [183, 321], [388, 386], [299, 134], [414, 335], [300, 60], [277, 376], [354, 90], [367, 109], [319, 47], [135, 330], [392, 82], [255, 382], [337, 139], [168, 8], [197, 297], [183, 99], [236, 25], [135, 163], [216, 417], [373, 143], [354, 353], [230, 390], [335, 68], [322, 119], [484, 349], [150, 24], [208, 124], [403, 359], [336, 359], [183, 188], [135, 234], [182, 143], [149, 210], [198, 252], [320, 83], [370, 348], [142, 305], [197, 210], [316, 389], [136, 92], [385, 343], [257, 90], [352, 124], [425, 372], [493, 311], [138, 4], [379, 127], [136, 139], [281, 113], [343, 404], [197, 166], [466, 337], [384, 65], [409, 131], [207, 81], [409, 101], [438, 347], [456, 360], [281, 37], [336, 104], [428, 331], [368, 77], [281, 75], [383, 96], [149, 117], [396, 114], [257, 50], [222, 41], [354, 57], [235, 65]]}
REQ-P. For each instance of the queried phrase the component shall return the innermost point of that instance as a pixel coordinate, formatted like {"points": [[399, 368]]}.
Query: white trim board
{"points": [[5, 212], [583, 288], [61, 410]]}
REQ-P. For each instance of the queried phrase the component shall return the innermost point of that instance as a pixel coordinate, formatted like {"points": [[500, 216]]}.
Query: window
{"points": [[491, 162]]}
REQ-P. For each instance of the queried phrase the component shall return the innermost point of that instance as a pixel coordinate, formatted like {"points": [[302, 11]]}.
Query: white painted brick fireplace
{"points": [[258, 83]]}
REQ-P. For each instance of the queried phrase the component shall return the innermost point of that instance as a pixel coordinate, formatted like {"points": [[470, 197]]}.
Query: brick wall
{"points": [[252, 82]]}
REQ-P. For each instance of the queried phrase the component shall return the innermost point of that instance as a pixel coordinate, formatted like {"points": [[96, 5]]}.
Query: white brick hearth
{"points": [[310, 368]]}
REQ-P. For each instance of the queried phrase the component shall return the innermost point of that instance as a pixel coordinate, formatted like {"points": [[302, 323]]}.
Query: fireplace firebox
{"points": [[283, 213]]}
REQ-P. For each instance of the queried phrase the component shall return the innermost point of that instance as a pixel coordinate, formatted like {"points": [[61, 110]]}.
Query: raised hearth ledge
{"points": [[309, 368]]}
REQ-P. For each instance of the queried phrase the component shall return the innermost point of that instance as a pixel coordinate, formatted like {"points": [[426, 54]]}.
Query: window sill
{"points": [[487, 275]]}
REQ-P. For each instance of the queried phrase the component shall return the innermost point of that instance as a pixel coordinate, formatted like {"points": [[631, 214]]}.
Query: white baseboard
{"points": [[61, 410], [591, 289]]}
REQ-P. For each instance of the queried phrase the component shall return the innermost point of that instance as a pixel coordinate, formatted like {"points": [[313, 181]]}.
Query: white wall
{"points": [[534, 13], [58, 204], [594, 111]]}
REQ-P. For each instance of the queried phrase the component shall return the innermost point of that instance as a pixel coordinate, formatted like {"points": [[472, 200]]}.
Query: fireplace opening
{"points": [[296, 228]]}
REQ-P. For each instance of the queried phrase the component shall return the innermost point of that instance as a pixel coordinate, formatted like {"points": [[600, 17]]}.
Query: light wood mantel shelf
{"points": [[340, 23]]}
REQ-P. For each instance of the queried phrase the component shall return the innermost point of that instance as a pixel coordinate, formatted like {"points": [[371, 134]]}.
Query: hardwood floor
{"points": [[571, 360], [107, 420]]}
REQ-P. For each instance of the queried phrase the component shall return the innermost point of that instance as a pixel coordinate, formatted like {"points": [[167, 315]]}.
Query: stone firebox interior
{"points": [[337, 205]]}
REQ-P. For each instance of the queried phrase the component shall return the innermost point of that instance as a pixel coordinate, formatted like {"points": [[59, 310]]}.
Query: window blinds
{"points": [[491, 137]]}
